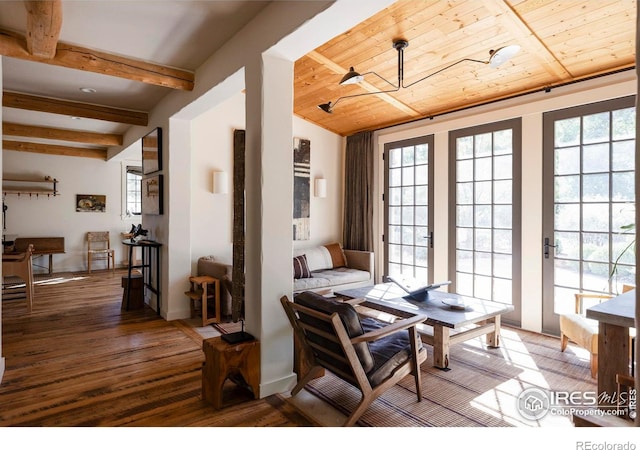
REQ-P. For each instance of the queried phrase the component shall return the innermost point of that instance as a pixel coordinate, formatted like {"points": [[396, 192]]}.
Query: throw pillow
{"points": [[300, 267], [337, 255]]}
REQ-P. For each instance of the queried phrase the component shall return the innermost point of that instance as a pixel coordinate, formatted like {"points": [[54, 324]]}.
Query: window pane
{"points": [[567, 132], [595, 128], [623, 186], [595, 158], [395, 157], [595, 217], [567, 188], [483, 145], [623, 155], [623, 123], [483, 192], [595, 188], [567, 161]]}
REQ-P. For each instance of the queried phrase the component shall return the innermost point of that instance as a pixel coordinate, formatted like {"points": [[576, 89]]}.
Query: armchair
{"points": [[367, 353], [577, 328]]}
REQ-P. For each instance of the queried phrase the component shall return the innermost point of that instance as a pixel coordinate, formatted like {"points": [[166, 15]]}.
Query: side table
{"points": [[204, 289], [222, 361]]}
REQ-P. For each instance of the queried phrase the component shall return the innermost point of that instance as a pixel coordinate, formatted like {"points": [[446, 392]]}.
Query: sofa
{"points": [[326, 268], [329, 267]]}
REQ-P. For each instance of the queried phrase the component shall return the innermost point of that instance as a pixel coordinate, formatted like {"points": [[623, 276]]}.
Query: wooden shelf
{"points": [[30, 186]]}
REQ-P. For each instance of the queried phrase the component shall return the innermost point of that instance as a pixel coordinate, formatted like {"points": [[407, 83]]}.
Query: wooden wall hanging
{"points": [[237, 287]]}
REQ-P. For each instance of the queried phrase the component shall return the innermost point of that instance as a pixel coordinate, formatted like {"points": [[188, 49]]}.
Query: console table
{"points": [[41, 246], [150, 253]]}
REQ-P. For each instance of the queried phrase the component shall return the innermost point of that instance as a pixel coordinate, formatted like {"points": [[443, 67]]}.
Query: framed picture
{"points": [[91, 203], [152, 152], [152, 195]]}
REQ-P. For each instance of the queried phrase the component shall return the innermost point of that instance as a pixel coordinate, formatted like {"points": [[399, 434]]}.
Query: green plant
{"points": [[631, 247]]}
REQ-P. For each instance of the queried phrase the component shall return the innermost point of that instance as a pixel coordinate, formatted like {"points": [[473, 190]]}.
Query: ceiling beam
{"points": [[74, 109], [50, 149], [44, 21], [338, 69], [59, 134], [534, 46], [74, 57]]}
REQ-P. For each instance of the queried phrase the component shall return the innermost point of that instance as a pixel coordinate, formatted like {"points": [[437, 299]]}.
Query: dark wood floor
{"points": [[79, 360]]}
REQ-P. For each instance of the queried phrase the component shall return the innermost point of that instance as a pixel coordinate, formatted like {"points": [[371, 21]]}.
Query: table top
{"points": [[141, 243], [620, 310], [390, 297]]}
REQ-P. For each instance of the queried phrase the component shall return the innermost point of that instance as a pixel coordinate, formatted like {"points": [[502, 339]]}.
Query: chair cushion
{"points": [[349, 319], [580, 330], [389, 353]]}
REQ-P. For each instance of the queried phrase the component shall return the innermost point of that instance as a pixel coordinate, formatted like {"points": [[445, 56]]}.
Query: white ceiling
{"points": [[179, 34]]}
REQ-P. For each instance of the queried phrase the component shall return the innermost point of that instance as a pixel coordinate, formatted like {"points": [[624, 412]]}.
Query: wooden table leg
{"points": [[441, 345], [493, 337], [613, 359]]}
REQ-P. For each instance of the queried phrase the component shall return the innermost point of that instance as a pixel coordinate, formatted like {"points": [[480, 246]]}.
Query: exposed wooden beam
{"points": [[50, 149], [76, 109], [337, 68], [44, 21], [59, 134], [80, 58]]}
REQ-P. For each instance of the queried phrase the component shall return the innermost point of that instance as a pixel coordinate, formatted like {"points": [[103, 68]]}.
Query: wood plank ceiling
{"points": [[561, 42]]}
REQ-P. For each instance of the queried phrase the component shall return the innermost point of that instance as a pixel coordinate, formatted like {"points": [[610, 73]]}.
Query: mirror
{"points": [[152, 152]]}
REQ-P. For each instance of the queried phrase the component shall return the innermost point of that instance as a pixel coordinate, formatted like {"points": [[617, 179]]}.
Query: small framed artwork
{"points": [[152, 195], [91, 203], [152, 152]]}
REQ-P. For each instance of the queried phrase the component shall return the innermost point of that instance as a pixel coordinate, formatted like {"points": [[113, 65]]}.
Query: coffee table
{"points": [[445, 326]]}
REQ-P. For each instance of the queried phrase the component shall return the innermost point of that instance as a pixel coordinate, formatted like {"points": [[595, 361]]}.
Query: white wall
{"points": [[212, 150], [31, 216], [530, 108]]}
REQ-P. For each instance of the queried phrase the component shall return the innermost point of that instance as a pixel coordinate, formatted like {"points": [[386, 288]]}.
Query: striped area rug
{"points": [[480, 390]]}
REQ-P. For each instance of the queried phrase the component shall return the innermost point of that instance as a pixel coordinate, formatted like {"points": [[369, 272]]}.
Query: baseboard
{"points": [[278, 386]]}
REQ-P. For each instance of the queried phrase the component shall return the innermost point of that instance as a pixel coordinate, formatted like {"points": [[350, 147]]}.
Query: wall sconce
{"points": [[321, 187], [220, 183]]}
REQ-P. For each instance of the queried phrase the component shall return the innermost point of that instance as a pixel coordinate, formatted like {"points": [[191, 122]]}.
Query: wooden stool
{"points": [[222, 361], [200, 292], [137, 291]]}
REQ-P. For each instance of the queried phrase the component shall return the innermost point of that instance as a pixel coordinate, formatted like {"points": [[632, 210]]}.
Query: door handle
{"points": [[546, 248], [430, 237]]}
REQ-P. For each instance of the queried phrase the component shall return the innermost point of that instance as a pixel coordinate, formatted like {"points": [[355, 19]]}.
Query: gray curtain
{"points": [[358, 192]]}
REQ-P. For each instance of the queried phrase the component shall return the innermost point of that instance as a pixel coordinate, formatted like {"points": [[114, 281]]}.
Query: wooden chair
{"points": [[369, 354], [19, 265], [577, 328], [99, 247]]}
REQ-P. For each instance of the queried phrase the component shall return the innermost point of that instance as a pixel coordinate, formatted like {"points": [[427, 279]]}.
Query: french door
{"points": [[588, 203], [408, 222], [484, 213]]}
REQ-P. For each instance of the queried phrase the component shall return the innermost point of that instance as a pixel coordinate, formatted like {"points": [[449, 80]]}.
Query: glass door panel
{"points": [[484, 186], [408, 236], [589, 204]]}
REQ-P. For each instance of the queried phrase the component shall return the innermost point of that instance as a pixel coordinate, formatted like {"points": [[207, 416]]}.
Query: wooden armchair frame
{"points": [[317, 356], [20, 265], [99, 247]]}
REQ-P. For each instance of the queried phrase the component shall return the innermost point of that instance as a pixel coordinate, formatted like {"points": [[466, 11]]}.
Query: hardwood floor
{"points": [[79, 360]]}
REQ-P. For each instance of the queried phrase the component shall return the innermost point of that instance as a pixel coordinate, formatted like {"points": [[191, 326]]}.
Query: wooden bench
{"points": [[41, 246]]}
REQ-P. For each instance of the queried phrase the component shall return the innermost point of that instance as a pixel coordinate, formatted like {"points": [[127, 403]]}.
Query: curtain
{"points": [[358, 192]]}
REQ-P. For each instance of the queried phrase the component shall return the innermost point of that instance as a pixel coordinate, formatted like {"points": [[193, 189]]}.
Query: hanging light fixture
{"points": [[496, 58]]}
